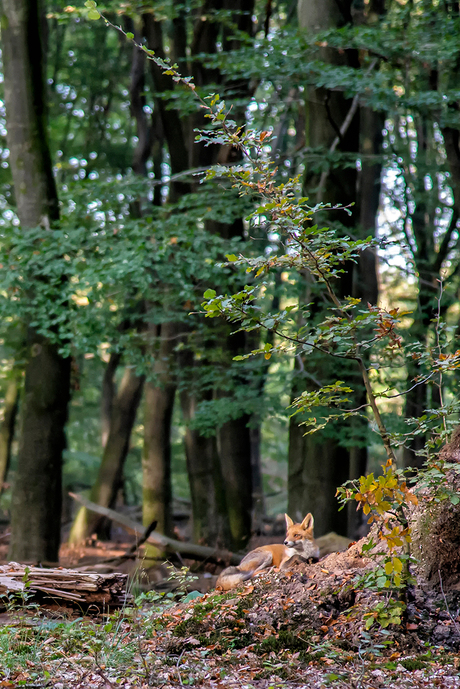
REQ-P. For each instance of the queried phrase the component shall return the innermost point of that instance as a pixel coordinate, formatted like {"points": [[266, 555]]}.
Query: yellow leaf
{"points": [[397, 565], [388, 568], [366, 509]]}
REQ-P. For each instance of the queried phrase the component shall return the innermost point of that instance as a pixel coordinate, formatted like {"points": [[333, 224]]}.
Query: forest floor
{"points": [[302, 628]]}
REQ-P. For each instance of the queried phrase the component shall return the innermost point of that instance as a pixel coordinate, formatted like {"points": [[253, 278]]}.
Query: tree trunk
{"points": [[234, 443], [108, 395], [7, 426], [235, 453], [37, 491], [156, 458], [109, 478], [365, 283], [209, 510], [258, 503], [318, 463], [36, 501], [179, 135], [428, 265], [313, 479]]}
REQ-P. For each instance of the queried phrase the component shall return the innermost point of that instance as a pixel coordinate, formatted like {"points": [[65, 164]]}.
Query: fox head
{"points": [[300, 537]]}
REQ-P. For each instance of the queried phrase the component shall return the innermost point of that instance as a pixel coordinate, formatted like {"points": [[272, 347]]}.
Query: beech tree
{"points": [[36, 501]]}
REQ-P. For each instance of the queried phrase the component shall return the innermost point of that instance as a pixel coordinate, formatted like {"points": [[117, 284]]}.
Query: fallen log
{"points": [[61, 585], [200, 552]]}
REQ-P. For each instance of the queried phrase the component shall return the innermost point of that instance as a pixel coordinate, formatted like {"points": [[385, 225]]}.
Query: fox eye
{"points": [[296, 535]]}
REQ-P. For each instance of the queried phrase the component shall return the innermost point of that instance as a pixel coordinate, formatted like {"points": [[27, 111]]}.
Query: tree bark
{"points": [[8, 425], [109, 479], [318, 463], [108, 395], [234, 444], [36, 501], [156, 459], [365, 282], [235, 453], [209, 511]]}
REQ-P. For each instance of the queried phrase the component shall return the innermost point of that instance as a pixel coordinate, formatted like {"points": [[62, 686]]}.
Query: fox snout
{"points": [[289, 544]]}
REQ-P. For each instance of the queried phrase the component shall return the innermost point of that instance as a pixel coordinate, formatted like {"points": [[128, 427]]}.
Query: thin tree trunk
{"points": [[108, 394], [7, 426], [156, 458], [109, 479], [209, 510], [37, 492], [365, 282], [258, 503], [318, 463]]}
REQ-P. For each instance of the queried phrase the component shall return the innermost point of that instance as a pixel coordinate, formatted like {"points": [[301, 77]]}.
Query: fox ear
{"points": [[308, 522], [289, 521]]}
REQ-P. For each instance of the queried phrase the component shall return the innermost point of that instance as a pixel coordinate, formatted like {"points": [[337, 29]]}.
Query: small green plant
{"points": [[180, 580], [386, 612]]}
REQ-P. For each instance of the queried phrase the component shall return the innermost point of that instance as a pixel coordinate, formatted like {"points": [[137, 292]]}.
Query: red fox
{"points": [[299, 541]]}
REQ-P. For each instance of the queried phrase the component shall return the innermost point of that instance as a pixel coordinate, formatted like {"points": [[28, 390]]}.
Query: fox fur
{"points": [[299, 542]]}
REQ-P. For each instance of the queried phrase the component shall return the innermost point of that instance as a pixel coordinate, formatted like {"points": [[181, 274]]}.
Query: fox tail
{"points": [[231, 577]]}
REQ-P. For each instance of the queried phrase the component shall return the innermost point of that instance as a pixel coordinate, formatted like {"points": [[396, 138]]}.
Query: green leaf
{"points": [[231, 257], [129, 35], [93, 15], [369, 622], [209, 294]]}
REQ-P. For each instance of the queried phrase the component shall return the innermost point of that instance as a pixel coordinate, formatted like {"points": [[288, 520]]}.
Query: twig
{"points": [[131, 551], [177, 666], [447, 606], [144, 662]]}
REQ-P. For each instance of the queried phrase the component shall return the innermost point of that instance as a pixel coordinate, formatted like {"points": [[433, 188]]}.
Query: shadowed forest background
{"points": [[113, 381]]}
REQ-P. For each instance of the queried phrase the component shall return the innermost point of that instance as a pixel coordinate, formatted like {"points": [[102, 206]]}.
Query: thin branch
{"points": [[341, 133], [400, 394], [306, 373], [443, 249], [447, 606]]}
